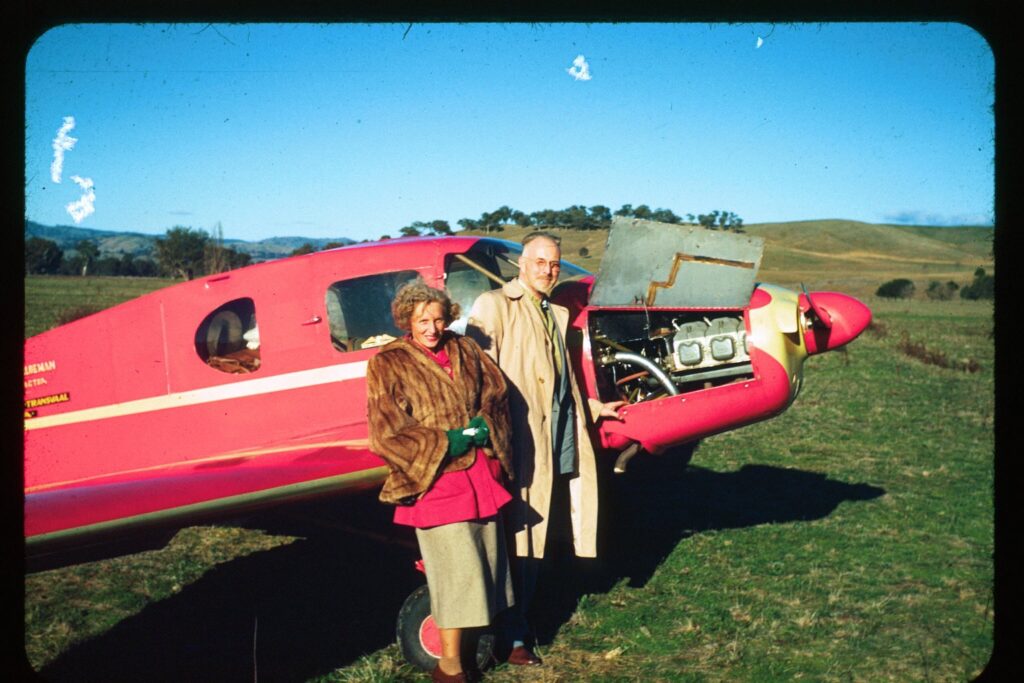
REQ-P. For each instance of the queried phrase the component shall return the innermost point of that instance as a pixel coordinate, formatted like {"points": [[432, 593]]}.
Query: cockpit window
{"points": [[228, 338], [359, 310], [488, 265]]}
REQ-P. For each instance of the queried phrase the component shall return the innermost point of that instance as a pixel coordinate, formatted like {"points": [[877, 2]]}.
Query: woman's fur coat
{"points": [[412, 402]]}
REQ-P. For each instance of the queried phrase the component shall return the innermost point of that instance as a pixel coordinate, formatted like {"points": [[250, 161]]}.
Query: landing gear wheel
{"points": [[420, 641]]}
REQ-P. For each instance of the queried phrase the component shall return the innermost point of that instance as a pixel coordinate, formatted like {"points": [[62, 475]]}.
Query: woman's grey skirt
{"points": [[467, 572]]}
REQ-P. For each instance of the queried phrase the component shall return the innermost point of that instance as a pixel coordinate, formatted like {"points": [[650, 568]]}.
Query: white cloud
{"points": [[914, 217], [579, 70], [84, 206], [760, 41], [62, 143]]}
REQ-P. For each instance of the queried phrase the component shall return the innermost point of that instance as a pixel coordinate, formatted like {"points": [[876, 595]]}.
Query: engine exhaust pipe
{"points": [[650, 366]]}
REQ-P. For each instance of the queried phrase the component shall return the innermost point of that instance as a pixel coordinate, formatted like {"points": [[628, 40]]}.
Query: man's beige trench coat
{"points": [[510, 329]]}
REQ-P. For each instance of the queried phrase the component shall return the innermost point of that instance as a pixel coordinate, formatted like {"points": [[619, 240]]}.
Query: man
{"points": [[553, 458]]}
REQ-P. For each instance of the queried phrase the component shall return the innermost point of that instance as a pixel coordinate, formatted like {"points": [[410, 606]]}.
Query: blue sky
{"points": [[355, 130]]}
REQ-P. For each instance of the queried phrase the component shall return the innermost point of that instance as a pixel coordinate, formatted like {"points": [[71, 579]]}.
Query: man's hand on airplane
{"points": [[611, 409]]}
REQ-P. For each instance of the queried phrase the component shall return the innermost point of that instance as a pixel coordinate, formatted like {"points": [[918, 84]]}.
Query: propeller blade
{"points": [[820, 315]]}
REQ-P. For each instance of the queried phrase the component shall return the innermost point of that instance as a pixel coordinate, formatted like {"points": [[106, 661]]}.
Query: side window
{"points": [[228, 338], [359, 310]]}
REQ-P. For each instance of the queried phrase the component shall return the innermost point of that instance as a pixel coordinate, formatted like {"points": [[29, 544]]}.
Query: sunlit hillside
{"points": [[831, 254]]}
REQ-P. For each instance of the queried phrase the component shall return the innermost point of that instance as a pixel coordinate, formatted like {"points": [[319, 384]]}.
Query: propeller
{"points": [[819, 315]]}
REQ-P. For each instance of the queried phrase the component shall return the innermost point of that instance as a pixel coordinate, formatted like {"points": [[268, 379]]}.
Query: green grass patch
{"points": [[49, 297]]}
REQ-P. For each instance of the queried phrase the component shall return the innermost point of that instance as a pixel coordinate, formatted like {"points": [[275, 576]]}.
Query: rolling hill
{"points": [[843, 255], [114, 243]]}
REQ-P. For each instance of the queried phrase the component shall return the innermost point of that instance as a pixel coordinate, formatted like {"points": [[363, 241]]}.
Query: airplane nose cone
{"points": [[836, 318]]}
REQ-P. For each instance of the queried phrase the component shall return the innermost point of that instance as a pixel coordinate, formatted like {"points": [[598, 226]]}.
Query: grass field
{"points": [[47, 297], [849, 539]]}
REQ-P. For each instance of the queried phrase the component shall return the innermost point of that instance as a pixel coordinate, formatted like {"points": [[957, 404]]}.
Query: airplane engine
{"points": [[642, 355], [688, 374]]}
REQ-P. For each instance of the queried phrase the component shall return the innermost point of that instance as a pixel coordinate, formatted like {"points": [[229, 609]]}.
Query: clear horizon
{"points": [[356, 130]]}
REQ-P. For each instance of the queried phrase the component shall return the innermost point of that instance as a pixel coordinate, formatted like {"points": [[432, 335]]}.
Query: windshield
{"points": [[501, 258], [489, 264]]}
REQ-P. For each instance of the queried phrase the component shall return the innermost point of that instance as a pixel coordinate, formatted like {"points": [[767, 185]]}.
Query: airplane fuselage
{"points": [[246, 388]]}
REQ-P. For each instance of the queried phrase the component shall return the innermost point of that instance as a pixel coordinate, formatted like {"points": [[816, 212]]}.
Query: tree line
{"points": [[578, 217], [182, 252], [45, 257], [982, 287]]}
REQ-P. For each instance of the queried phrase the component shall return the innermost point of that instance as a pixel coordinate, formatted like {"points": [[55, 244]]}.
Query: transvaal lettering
{"points": [[62, 397]]}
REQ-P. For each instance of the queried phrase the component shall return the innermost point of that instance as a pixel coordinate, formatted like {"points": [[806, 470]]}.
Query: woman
{"points": [[438, 415]]}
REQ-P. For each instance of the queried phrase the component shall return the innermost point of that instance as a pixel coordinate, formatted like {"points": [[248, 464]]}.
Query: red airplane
{"points": [[247, 388]]}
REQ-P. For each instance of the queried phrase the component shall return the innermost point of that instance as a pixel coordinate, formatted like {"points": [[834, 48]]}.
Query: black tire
{"points": [[417, 635]]}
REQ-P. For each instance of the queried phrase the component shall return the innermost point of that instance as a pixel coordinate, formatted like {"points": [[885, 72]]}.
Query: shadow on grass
{"points": [[305, 609], [290, 613], [660, 501]]}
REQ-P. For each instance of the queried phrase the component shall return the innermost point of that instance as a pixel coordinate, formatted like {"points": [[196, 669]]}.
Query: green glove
{"points": [[458, 443], [483, 433]]}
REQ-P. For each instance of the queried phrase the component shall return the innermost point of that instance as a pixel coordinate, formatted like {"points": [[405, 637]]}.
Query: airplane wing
{"points": [[215, 485]]}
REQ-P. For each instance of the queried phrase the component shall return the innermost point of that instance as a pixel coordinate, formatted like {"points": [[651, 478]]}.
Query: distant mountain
{"points": [[116, 243]]}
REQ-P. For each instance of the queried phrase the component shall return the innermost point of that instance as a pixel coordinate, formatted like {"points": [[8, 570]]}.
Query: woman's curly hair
{"points": [[411, 295]]}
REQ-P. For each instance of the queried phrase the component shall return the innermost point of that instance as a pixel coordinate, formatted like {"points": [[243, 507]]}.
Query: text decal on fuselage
{"points": [[62, 397], [45, 366]]}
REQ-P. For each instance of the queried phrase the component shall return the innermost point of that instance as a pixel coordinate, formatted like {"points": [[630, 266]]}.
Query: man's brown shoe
{"points": [[521, 656], [439, 676]]}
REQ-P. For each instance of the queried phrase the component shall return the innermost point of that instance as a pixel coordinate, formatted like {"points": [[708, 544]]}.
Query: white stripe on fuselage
{"points": [[221, 392]]}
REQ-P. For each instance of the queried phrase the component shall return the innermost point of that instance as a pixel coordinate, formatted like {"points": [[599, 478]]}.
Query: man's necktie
{"points": [[553, 335]]}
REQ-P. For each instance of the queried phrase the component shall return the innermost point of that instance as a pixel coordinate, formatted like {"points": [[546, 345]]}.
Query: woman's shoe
{"points": [[522, 656]]}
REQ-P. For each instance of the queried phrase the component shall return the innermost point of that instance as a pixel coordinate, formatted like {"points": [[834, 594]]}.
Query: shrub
{"points": [[900, 288], [983, 287], [42, 255], [938, 291], [584, 252]]}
